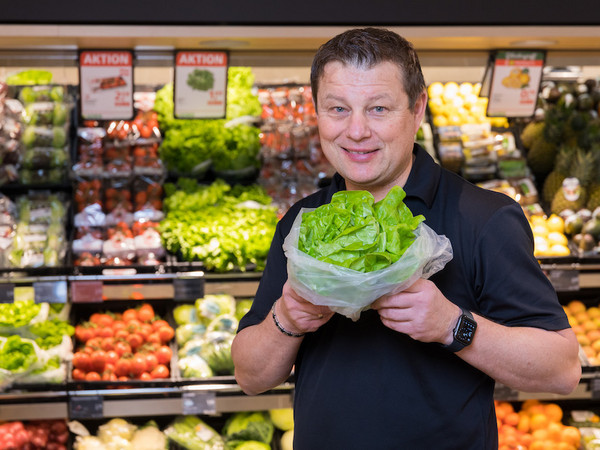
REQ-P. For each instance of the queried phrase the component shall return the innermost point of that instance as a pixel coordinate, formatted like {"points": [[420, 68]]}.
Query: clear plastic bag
{"points": [[349, 292]]}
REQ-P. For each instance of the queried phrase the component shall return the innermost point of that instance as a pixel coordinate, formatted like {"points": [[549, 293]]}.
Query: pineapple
{"points": [[553, 181], [593, 200], [541, 156], [573, 194]]}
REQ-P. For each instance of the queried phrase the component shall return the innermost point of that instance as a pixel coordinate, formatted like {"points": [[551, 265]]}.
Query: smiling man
{"points": [[418, 369]]}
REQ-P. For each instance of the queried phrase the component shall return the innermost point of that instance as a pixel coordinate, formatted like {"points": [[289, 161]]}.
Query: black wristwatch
{"points": [[463, 331]]}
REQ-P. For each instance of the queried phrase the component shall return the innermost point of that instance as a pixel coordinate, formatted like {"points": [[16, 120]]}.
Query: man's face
{"points": [[366, 128]]}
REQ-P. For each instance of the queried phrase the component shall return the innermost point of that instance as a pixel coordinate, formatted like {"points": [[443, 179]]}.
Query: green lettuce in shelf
{"points": [[356, 232]]}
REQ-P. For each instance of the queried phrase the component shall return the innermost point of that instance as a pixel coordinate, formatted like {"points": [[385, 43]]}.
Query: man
{"points": [[400, 377]]}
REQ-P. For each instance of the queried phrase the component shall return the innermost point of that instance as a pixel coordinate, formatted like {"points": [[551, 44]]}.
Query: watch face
{"points": [[465, 330]]}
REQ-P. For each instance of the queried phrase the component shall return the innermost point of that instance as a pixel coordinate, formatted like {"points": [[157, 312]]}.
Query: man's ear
{"points": [[419, 110]]}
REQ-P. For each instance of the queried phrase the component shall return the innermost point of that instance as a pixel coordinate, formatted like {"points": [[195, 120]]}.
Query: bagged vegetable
{"points": [[359, 250]]}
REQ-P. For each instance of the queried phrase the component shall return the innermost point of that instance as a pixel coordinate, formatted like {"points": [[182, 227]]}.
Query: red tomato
{"points": [[145, 376], [102, 320], [160, 371], [105, 332], [92, 376], [159, 323], [122, 348], [111, 357], [121, 334], [123, 367], [138, 364], [82, 361], [164, 354], [145, 330], [151, 362], [146, 313], [133, 325], [109, 375], [98, 361], [154, 338], [129, 314], [94, 343], [108, 343], [78, 374], [166, 333], [135, 340], [83, 333], [118, 325]]}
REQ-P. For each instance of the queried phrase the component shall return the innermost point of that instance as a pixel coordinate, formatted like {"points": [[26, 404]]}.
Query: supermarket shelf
{"points": [[201, 399]]}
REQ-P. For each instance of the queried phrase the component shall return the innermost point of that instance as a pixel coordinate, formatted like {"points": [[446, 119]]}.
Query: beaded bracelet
{"points": [[280, 328]]}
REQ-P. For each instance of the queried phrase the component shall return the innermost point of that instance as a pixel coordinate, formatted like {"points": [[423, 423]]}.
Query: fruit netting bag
{"points": [[350, 292]]}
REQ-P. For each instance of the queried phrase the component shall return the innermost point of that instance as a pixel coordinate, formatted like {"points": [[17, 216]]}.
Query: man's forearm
{"points": [[524, 358], [263, 356]]}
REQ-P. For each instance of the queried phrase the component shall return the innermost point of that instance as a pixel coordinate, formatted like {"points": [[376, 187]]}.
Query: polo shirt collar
{"points": [[422, 181], [424, 177]]}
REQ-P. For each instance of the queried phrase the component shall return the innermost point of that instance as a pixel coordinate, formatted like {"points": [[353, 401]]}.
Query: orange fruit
{"points": [[538, 421], [565, 446], [554, 431], [537, 445], [540, 435], [576, 306], [571, 435], [523, 424], [512, 419], [525, 440], [553, 412]]}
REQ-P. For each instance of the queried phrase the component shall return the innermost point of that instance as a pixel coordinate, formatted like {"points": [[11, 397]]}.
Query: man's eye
{"points": [[379, 109], [338, 109]]}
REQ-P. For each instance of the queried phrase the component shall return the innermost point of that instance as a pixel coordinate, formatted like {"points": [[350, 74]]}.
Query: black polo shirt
{"points": [[360, 385]]}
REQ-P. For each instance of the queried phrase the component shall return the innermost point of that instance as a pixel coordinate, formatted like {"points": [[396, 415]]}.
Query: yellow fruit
{"points": [[435, 89], [555, 223], [593, 312], [555, 237], [440, 120], [540, 230], [559, 250], [435, 105], [465, 89]]}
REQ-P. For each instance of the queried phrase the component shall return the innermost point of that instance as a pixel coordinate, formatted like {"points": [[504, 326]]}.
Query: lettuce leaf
{"points": [[356, 232]]}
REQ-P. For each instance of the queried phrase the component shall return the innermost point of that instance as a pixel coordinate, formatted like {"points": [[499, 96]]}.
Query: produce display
{"points": [[35, 343], [121, 346], [549, 234], [34, 435], [119, 434], [204, 333], [292, 160], [231, 148], [227, 228], [535, 426], [11, 129], [251, 430], [35, 230], [585, 321]]}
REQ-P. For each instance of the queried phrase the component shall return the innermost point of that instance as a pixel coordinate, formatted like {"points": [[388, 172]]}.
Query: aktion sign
{"points": [[106, 84], [200, 84]]}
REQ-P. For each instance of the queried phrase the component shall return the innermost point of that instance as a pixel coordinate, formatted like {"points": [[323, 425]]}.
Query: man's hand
{"points": [[297, 314], [421, 311]]}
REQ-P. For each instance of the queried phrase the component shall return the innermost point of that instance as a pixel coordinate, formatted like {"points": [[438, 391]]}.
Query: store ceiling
{"points": [[290, 40]]}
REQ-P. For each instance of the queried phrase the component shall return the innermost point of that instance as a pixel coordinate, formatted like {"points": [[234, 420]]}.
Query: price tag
{"points": [[515, 83], [88, 407], [200, 84], [106, 84], [86, 291], [50, 291], [199, 402], [7, 293], [188, 288], [564, 280]]}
